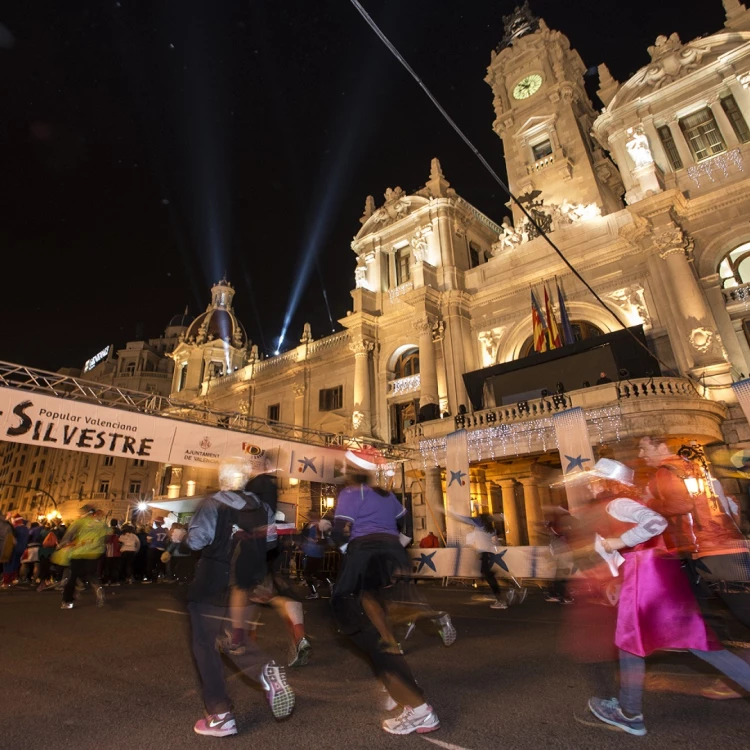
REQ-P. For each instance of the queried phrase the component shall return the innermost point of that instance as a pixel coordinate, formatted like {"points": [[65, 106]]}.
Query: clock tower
{"points": [[544, 118]]}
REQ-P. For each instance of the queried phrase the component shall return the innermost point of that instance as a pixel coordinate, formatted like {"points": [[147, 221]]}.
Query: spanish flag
{"points": [[555, 341], [538, 325]]}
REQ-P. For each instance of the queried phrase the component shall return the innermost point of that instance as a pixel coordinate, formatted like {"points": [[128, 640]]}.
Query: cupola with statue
{"points": [[214, 345]]}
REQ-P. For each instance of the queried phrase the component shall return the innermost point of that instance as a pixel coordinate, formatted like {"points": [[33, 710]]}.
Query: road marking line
{"points": [[211, 617], [446, 745]]}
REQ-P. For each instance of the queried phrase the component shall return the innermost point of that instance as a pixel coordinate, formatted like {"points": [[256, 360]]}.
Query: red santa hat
{"points": [[367, 458]]}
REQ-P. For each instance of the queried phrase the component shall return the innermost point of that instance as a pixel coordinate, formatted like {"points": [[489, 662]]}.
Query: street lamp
{"points": [[27, 488]]}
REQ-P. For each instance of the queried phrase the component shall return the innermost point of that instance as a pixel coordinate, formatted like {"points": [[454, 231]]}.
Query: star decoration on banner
{"points": [[307, 463], [457, 476], [575, 463], [497, 559], [427, 560]]}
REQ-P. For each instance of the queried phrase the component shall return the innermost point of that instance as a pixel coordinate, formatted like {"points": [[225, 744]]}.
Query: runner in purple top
{"points": [[369, 511], [374, 560]]}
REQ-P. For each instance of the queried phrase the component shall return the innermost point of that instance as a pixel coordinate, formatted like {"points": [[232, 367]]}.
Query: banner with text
{"points": [[37, 419]]}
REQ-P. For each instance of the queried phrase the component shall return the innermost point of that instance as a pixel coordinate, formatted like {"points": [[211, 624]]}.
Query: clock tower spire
{"points": [[544, 117]]}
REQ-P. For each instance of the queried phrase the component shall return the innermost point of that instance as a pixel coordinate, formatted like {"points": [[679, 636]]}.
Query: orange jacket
{"points": [[696, 525]]}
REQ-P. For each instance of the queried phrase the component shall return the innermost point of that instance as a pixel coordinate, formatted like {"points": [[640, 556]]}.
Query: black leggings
{"points": [[83, 569], [392, 669], [487, 561]]}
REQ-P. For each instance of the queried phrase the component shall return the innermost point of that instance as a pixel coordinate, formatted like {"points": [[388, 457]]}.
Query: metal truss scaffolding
{"points": [[69, 388]]}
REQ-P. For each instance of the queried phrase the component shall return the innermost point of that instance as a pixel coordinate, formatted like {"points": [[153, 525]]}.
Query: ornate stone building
{"points": [[645, 197]]}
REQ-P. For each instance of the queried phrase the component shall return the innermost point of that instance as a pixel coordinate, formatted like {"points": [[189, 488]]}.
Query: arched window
{"points": [[735, 268], [407, 364], [582, 330]]}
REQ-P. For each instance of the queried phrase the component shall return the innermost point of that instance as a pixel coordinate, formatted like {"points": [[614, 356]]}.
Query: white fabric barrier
{"points": [[463, 562]]}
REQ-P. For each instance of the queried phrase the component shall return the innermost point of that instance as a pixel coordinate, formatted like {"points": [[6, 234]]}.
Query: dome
{"points": [[218, 321], [217, 324]]}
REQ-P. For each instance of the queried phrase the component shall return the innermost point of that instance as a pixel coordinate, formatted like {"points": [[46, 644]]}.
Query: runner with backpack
{"points": [[221, 522]]}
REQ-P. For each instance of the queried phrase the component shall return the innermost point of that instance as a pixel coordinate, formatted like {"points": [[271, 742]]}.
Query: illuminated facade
{"points": [[645, 197]]}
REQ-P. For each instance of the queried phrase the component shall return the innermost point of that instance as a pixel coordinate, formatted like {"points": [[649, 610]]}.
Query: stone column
{"points": [[725, 127], [665, 306], [361, 413], [512, 530], [492, 504], [427, 367], [533, 511], [445, 230], [673, 246], [681, 144], [712, 287], [435, 502]]}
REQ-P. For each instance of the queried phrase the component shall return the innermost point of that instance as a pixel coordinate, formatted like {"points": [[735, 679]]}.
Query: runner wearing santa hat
{"points": [[374, 559]]}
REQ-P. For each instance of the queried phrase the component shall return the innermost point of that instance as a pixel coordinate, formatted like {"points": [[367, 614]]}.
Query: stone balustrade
{"points": [[634, 397]]}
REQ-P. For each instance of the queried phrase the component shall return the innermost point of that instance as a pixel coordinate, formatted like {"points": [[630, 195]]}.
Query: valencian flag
{"points": [[567, 329], [555, 342], [539, 326]]}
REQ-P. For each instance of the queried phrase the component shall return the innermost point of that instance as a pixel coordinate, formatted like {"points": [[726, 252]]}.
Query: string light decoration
{"points": [[408, 384], [513, 439], [711, 167], [609, 416]]}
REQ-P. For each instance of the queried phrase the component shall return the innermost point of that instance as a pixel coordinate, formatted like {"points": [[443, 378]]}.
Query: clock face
{"points": [[527, 86]]}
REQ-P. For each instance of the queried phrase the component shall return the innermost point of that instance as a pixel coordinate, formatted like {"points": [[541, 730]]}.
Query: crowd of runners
{"points": [[651, 554]]}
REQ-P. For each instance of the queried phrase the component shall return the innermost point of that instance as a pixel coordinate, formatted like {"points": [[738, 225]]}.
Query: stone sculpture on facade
{"points": [[638, 147], [360, 277], [419, 243]]}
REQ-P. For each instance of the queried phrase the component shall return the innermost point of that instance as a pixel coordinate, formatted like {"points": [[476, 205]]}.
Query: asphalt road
{"points": [[122, 677]]}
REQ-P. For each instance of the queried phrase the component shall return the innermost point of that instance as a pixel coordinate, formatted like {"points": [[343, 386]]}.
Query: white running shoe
{"points": [[420, 720], [279, 694], [447, 630], [499, 604]]}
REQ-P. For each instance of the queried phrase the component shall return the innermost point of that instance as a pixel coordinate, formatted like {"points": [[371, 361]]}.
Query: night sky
{"points": [[148, 147]]}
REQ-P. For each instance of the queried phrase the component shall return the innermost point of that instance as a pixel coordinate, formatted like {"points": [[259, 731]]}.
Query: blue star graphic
{"points": [[307, 463], [575, 463], [497, 559], [457, 476], [426, 559]]}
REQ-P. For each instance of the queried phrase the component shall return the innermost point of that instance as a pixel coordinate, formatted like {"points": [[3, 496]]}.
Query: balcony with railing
{"points": [[670, 395]]}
